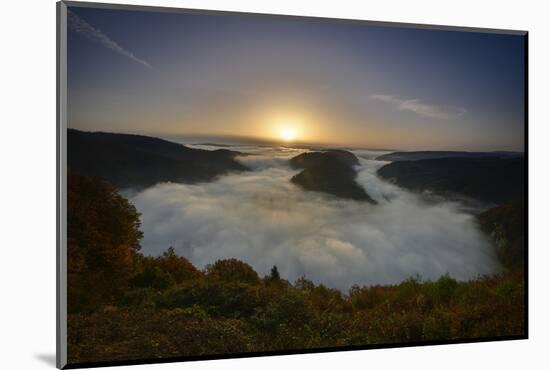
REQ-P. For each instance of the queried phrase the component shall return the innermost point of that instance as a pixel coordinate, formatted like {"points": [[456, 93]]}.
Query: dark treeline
{"points": [[124, 305], [486, 179], [136, 161]]}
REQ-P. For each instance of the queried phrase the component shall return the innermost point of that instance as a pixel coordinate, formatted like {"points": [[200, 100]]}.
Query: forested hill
{"points": [[330, 171], [489, 180], [140, 161], [433, 154]]}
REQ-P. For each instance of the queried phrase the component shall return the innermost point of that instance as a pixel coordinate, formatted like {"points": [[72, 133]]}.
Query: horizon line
{"points": [[294, 143]]}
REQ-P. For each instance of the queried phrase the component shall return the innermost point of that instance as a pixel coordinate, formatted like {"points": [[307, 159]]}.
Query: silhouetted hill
{"points": [[490, 180], [330, 172], [414, 156], [141, 161]]}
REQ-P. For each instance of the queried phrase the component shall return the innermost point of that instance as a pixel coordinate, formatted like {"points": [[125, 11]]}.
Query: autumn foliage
{"points": [[126, 306], [102, 239]]}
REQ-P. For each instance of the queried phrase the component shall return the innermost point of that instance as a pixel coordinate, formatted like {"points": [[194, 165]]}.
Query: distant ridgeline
{"points": [[492, 178], [330, 172], [414, 156], [141, 161]]}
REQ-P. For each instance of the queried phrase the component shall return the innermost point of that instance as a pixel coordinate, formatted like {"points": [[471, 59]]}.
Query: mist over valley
{"points": [[261, 217]]}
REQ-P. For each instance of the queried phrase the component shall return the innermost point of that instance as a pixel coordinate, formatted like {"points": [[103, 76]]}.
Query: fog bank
{"points": [[263, 219]]}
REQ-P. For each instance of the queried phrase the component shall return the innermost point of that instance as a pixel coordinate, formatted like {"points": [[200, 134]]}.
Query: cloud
{"points": [[422, 109], [82, 27], [262, 218]]}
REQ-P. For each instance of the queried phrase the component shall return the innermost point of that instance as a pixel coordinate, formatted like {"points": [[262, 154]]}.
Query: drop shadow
{"points": [[47, 358]]}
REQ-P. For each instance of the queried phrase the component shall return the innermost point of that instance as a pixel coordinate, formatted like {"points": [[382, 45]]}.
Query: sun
{"points": [[287, 129], [288, 134]]}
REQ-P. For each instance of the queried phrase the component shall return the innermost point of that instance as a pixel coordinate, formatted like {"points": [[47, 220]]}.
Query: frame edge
{"points": [[61, 185]]}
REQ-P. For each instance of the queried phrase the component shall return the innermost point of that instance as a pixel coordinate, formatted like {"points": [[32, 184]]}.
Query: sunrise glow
{"points": [[288, 134]]}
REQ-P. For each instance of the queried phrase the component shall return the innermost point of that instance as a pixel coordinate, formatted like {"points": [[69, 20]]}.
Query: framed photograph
{"points": [[235, 184]]}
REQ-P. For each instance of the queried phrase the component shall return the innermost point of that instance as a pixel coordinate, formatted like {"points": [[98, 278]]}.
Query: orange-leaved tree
{"points": [[103, 237]]}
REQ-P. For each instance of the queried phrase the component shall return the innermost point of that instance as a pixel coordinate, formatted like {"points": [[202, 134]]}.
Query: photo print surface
{"points": [[243, 184]]}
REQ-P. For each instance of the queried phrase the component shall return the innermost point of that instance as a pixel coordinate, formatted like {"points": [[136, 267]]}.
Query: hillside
{"points": [[418, 155], [330, 172], [505, 225], [489, 180], [141, 161]]}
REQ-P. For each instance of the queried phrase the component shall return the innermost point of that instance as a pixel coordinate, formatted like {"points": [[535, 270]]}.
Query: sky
{"points": [[294, 79]]}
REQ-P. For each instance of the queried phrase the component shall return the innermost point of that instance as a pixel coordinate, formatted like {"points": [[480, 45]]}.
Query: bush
{"points": [[139, 297], [437, 325], [232, 270]]}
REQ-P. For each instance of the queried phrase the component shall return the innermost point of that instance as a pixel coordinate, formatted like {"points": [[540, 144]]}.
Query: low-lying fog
{"points": [[263, 219]]}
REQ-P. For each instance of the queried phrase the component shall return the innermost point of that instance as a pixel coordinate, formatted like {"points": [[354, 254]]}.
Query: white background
{"points": [[27, 206]]}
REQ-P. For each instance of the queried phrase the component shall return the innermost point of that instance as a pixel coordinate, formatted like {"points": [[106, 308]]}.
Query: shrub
{"points": [[232, 270]]}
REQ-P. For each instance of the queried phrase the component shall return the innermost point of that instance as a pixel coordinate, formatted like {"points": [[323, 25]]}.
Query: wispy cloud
{"points": [[82, 27], [420, 108]]}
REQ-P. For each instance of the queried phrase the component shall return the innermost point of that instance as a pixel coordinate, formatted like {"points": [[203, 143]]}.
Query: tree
{"points": [[232, 270], [102, 239], [274, 275]]}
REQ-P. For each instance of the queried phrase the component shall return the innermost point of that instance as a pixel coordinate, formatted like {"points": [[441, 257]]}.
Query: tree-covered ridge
{"points": [[136, 161], [331, 172], [124, 305], [489, 180], [437, 154]]}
